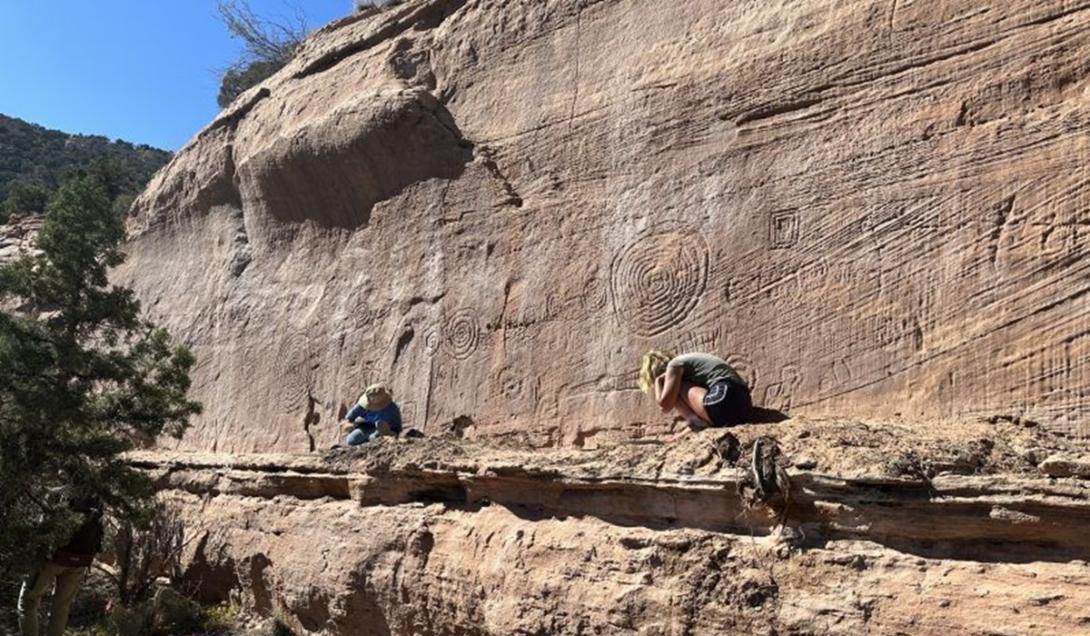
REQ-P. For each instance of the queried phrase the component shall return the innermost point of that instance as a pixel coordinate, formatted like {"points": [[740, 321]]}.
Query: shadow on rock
{"points": [[761, 415]]}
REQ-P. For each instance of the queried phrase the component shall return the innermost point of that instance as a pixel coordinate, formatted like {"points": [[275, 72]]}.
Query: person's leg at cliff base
{"points": [[363, 432], [63, 572], [374, 415], [65, 582]]}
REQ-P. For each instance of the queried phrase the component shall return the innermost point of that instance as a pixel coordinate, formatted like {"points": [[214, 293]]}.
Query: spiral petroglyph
{"points": [[555, 303], [658, 280], [462, 333], [433, 340], [593, 296], [294, 373]]}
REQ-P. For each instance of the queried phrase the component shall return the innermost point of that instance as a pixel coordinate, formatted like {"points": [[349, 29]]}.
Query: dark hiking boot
{"points": [[766, 471]]}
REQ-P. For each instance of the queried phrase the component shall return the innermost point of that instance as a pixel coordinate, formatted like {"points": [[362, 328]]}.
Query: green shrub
{"points": [[267, 47], [167, 614], [364, 5], [239, 79]]}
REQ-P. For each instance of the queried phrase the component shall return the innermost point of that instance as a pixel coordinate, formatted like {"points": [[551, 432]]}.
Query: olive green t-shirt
{"points": [[704, 369]]}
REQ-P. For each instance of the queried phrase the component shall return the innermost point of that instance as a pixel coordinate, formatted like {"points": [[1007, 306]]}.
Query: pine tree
{"points": [[83, 378]]}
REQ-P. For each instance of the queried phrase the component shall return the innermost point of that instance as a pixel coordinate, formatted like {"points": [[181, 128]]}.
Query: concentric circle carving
{"points": [[593, 295], [433, 340], [462, 333], [554, 305], [658, 280]]}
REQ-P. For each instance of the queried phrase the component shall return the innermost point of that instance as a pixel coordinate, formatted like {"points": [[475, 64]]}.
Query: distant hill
{"points": [[33, 155]]}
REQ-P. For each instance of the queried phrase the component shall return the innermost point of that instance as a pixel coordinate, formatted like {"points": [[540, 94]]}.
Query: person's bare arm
{"points": [[667, 387]]}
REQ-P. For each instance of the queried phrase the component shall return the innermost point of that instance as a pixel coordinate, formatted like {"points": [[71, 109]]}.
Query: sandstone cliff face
{"points": [[887, 531], [874, 208]]}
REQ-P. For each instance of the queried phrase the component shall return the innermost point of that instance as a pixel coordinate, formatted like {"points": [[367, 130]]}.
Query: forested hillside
{"points": [[34, 159]]}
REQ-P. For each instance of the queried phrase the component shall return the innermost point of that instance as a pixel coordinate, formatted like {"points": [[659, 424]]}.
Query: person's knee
{"points": [[28, 601], [31, 591], [355, 438]]}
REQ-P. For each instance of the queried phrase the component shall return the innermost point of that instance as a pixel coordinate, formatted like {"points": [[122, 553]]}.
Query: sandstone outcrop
{"points": [[872, 208], [886, 531], [876, 210], [17, 238]]}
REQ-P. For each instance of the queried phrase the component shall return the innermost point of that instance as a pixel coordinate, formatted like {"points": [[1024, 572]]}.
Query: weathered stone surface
{"points": [[1067, 466], [455, 537], [17, 237], [873, 208]]}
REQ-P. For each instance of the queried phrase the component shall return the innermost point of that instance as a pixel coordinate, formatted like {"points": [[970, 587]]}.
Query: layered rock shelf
{"points": [[438, 536]]}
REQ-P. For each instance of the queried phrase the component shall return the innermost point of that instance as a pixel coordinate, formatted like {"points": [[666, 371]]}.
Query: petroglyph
{"points": [[514, 391], [510, 384], [594, 296], [783, 229], [908, 225], [409, 416], [707, 341], [462, 333], [555, 305], [433, 340], [658, 280], [842, 372], [295, 373], [780, 395], [744, 367]]}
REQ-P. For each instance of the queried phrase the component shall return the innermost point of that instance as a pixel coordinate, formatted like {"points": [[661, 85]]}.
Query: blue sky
{"points": [[140, 70]]}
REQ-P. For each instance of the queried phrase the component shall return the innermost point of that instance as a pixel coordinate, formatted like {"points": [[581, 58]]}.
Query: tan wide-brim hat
{"points": [[376, 397]]}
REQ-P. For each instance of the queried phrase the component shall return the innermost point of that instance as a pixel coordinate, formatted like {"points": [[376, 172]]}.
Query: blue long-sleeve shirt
{"points": [[390, 414]]}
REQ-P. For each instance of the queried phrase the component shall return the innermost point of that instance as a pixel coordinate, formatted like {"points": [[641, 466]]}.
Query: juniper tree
{"points": [[83, 377]]}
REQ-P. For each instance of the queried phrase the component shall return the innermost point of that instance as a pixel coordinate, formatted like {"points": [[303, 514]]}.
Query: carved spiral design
{"points": [[433, 340], [594, 295], [658, 280], [463, 333], [554, 305], [294, 375]]}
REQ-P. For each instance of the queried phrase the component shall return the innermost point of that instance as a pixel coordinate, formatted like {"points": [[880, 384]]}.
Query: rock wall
{"points": [[887, 531], [873, 208]]}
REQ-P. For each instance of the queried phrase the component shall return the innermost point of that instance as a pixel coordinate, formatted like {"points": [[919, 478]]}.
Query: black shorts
{"points": [[727, 403]]}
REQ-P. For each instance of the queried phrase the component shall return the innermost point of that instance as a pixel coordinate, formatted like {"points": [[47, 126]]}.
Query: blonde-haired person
{"points": [[700, 387], [374, 415]]}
